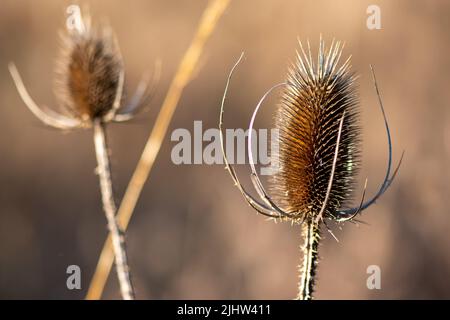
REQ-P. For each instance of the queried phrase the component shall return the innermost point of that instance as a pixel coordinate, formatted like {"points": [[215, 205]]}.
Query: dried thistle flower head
{"points": [[89, 73], [89, 82], [315, 99], [319, 152]]}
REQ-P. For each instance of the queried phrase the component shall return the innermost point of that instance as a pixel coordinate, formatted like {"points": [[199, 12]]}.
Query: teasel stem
{"points": [[311, 235], [109, 206]]}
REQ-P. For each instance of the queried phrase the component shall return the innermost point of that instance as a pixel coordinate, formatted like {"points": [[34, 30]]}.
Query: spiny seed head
{"points": [[308, 117], [88, 71]]}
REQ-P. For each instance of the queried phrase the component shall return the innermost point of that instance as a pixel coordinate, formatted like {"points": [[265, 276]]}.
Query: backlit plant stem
{"points": [[109, 206], [311, 236]]}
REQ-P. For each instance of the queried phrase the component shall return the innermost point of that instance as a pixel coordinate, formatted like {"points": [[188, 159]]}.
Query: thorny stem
{"points": [[109, 206], [311, 234]]}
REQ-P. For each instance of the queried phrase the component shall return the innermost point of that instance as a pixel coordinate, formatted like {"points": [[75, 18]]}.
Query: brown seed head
{"points": [[88, 72], [308, 119]]}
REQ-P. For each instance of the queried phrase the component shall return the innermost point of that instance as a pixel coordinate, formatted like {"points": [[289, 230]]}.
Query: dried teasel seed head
{"points": [[89, 82], [89, 72], [308, 118]]}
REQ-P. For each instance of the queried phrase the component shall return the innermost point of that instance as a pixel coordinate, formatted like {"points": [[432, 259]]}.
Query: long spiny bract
{"points": [[308, 117]]}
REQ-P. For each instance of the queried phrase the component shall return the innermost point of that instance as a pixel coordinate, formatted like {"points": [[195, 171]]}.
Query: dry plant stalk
{"points": [[188, 64], [319, 152], [89, 89]]}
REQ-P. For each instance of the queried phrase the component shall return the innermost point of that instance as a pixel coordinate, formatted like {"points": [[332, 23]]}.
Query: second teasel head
{"points": [[89, 80], [89, 72]]}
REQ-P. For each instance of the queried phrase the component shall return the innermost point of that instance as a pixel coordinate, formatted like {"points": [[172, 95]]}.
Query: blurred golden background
{"points": [[192, 235]]}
